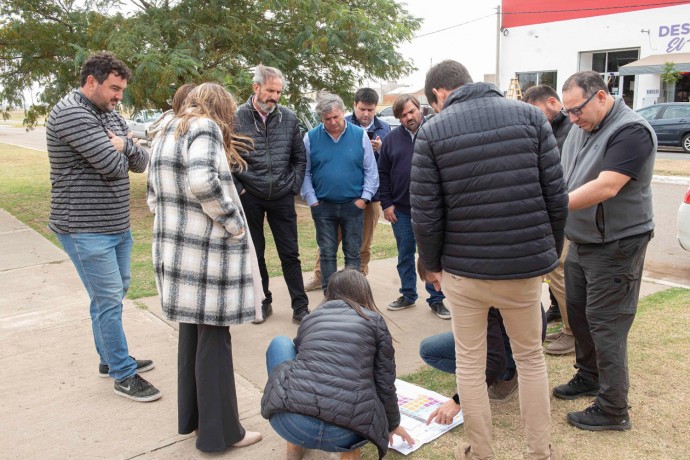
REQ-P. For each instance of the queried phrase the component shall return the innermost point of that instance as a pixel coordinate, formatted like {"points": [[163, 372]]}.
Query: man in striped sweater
{"points": [[91, 152]]}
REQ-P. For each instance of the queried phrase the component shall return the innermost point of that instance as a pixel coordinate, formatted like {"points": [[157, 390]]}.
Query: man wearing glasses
{"points": [[608, 159]]}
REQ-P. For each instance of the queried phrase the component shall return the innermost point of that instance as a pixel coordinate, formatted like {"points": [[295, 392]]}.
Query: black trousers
{"points": [[206, 397], [282, 219], [602, 286]]}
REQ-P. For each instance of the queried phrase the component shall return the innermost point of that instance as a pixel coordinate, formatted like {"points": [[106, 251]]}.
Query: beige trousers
{"points": [[519, 303], [556, 281], [372, 214]]}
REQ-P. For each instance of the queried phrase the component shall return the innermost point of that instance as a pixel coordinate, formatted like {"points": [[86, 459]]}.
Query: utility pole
{"points": [[498, 46]]}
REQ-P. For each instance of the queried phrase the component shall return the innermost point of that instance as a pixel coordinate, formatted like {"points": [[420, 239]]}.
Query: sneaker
{"points": [[553, 314], [594, 419], [553, 336], [266, 311], [400, 304], [503, 391], [314, 284], [462, 451], [440, 310], [137, 388], [143, 365], [576, 388], [299, 314], [562, 346]]}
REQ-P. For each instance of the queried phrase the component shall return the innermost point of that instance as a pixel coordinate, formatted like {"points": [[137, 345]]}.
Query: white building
{"points": [[628, 42]]}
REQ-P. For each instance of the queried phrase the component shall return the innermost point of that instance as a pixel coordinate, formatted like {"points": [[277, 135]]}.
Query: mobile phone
{"points": [[371, 134]]}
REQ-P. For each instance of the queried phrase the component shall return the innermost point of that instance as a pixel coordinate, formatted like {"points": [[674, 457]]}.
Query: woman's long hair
{"points": [[351, 287], [212, 101]]}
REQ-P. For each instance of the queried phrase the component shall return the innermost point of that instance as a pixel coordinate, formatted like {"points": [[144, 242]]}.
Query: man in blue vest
{"points": [[363, 115], [340, 179], [608, 162]]}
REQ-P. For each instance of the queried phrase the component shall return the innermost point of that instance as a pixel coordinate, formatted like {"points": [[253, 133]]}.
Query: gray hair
{"points": [[263, 73], [326, 102], [589, 81]]}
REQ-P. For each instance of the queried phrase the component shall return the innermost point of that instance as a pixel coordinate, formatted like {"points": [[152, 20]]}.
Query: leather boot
{"points": [[352, 455], [294, 452]]}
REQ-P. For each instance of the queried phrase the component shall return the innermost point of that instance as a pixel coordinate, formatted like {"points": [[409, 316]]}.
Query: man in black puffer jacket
{"points": [[274, 176], [488, 211]]}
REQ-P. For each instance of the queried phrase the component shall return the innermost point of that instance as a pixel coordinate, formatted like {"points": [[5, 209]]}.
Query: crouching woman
{"points": [[333, 387]]}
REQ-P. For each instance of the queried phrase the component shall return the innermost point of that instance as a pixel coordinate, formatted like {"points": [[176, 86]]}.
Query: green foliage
{"points": [[670, 75], [329, 44]]}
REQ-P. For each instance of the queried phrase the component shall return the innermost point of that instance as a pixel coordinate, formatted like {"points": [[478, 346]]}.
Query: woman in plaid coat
{"points": [[206, 271]]}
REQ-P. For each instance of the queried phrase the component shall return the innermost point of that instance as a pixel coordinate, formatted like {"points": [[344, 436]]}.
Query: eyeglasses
{"points": [[577, 111]]}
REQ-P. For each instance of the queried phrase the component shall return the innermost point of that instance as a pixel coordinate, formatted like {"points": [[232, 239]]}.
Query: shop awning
{"points": [[655, 64]]}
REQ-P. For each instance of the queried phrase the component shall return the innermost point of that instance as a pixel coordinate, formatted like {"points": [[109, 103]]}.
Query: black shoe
{"points": [[299, 314], [137, 388], [576, 388], [266, 311], [400, 304], [553, 314], [143, 365], [594, 419], [440, 310]]}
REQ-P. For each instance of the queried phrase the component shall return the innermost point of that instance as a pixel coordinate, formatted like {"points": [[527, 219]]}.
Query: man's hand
{"points": [[137, 142], [376, 143], [444, 414], [400, 431], [360, 203], [436, 277], [118, 142], [315, 204], [389, 214]]}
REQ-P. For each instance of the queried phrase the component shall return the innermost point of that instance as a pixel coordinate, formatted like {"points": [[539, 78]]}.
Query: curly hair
{"points": [[102, 64]]}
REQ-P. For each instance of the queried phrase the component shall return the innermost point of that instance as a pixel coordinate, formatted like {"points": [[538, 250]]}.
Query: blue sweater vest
{"points": [[337, 168]]}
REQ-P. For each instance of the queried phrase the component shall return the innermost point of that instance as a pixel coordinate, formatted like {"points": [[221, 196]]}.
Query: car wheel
{"points": [[686, 143]]}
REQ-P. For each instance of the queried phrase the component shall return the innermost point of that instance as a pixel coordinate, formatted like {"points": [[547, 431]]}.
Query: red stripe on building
{"points": [[518, 13]]}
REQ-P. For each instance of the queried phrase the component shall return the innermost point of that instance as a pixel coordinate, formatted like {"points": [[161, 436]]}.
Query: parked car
{"points": [[671, 122], [387, 114], [684, 222], [141, 120]]}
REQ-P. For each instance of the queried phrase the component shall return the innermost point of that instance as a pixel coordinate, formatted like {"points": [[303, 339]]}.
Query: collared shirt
{"points": [[371, 174]]}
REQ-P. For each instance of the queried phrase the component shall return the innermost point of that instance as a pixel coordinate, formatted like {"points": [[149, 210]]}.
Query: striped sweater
{"points": [[89, 177]]}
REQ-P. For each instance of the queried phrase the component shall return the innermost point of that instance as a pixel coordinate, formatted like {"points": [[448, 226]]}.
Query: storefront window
{"points": [[529, 79]]}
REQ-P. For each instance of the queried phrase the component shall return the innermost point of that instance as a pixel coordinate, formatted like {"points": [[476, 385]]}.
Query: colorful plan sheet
{"points": [[416, 404]]}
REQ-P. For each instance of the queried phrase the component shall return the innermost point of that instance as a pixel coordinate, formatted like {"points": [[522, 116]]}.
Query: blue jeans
{"points": [[404, 239], [102, 262], [328, 218], [302, 430]]}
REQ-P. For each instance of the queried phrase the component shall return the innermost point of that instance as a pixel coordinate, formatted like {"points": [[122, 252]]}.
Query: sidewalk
{"points": [[54, 404]]}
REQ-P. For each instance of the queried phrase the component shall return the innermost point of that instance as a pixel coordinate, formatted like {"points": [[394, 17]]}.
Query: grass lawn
{"points": [[25, 193], [659, 370]]}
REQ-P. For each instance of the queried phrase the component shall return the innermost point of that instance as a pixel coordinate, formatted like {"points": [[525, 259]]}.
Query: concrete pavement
{"points": [[54, 404]]}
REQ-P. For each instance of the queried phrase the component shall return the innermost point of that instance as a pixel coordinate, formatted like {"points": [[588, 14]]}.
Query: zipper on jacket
{"points": [[270, 160]]}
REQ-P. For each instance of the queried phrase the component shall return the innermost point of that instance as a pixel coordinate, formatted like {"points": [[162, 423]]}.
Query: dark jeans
{"points": [[438, 351], [602, 286], [206, 398], [404, 240], [328, 218], [282, 219]]}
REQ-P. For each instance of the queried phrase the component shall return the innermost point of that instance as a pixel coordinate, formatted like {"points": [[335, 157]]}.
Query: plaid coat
{"points": [[203, 257]]}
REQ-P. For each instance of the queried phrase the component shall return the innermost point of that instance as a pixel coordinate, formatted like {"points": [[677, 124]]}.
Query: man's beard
{"points": [[264, 107]]}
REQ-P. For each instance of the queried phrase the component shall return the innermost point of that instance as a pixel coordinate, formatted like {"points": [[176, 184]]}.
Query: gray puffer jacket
{"points": [[277, 163], [487, 191], [344, 374]]}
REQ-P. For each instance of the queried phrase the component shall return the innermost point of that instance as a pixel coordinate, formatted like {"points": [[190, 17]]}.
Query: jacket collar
{"points": [[472, 91], [376, 125]]}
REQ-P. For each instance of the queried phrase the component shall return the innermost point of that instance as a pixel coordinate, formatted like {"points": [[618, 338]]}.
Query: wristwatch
{"points": [[366, 201]]}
